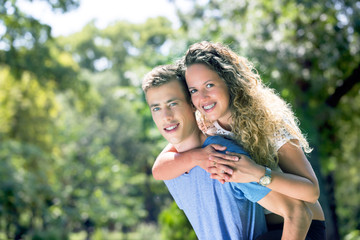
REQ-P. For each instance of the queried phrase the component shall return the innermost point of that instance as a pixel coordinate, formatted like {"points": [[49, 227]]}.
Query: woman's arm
{"points": [[297, 216], [298, 179], [171, 164]]}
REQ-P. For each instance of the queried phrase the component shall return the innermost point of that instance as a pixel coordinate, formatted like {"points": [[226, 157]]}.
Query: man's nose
{"points": [[168, 114]]}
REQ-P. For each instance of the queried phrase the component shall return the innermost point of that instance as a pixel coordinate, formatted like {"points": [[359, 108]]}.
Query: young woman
{"points": [[232, 101]]}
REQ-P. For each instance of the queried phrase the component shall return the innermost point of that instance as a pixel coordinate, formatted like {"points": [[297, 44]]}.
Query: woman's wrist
{"points": [[259, 172]]}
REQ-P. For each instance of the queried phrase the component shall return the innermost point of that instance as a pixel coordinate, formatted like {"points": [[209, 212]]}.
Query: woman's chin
{"points": [[211, 118]]}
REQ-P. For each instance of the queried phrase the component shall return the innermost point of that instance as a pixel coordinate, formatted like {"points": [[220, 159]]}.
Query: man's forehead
{"points": [[165, 93]]}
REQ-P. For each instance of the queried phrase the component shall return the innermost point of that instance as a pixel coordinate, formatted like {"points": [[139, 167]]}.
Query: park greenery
{"points": [[77, 141]]}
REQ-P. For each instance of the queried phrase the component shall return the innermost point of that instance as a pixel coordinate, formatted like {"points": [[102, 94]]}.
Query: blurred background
{"points": [[77, 141]]}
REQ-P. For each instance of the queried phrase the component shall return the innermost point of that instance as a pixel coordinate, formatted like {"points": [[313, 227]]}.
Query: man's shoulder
{"points": [[230, 144], [196, 173], [218, 140]]}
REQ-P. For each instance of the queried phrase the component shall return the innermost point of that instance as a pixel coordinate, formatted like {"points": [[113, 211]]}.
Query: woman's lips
{"points": [[209, 107]]}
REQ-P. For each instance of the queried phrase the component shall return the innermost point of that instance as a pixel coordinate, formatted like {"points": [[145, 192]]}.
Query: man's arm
{"points": [[297, 216], [171, 164]]}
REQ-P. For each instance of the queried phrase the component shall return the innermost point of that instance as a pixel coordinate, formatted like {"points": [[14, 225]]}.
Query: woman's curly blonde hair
{"points": [[258, 114]]}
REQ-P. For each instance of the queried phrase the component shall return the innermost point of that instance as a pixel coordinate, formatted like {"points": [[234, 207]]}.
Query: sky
{"points": [[103, 11]]}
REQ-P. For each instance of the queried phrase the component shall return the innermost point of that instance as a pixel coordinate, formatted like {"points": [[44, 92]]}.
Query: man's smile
{"points": [[171, 127]]}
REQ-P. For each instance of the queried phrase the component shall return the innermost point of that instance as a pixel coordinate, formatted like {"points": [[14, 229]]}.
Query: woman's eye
{"points": [[209, 85], [192, 91]]}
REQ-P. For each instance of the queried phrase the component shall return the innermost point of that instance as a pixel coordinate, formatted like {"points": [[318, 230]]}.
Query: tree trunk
{"points": [[327, 183], [326, 198]]}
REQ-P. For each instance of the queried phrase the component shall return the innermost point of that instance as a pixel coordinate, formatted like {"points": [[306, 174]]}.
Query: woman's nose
{"points": [[203, 94]]}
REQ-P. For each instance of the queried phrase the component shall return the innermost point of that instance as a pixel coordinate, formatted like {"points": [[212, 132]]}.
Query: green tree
{"points": [[128, 49], [32, 71], [115, 59], [25, 43], [28, 134], [175, 225]]}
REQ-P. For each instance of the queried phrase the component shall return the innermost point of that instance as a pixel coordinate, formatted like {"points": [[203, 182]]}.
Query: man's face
{"points": [[172, 114]]}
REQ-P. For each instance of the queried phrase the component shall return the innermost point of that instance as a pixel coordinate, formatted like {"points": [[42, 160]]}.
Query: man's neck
{"points": [[195, 140]]}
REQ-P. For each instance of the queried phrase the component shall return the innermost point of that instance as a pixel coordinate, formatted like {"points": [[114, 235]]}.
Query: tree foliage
{"points": [[70, 128], [174, 224], [77, 141]]}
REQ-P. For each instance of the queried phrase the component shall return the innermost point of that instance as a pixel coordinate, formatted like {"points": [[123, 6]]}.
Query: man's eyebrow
{"points": [[154, 105], [172, 100], [168, 101]]}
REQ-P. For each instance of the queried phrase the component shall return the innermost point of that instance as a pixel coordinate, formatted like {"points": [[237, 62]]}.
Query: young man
{"points": [[215, 210]]}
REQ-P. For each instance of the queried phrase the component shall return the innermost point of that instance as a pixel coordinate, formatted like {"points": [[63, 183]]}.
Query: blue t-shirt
{"points": [[219, 211]]}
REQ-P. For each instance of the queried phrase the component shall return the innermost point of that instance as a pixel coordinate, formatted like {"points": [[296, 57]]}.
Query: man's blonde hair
{"points": [[163, 74]]}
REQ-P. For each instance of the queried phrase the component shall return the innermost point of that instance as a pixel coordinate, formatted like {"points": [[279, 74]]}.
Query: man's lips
{"points": [[171, 127]]}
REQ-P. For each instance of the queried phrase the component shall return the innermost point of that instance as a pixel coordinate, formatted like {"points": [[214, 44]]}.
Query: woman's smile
{"points": [[209, 93]]}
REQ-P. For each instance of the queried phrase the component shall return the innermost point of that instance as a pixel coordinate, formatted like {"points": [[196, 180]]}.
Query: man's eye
{"points": [[155, 109], [173, 104], [192, 91]]}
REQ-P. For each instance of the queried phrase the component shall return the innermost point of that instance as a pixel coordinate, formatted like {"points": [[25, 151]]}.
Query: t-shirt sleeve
{"points": [[252, 191], [282, 136]]}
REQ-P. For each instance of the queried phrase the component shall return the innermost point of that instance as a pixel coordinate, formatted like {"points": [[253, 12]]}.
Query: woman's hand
{"points": [[171, 164], [208, 156], [243, 171]]}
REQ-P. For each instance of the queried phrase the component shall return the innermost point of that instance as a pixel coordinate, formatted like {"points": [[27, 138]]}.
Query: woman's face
{"points": [[209, 93]]}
